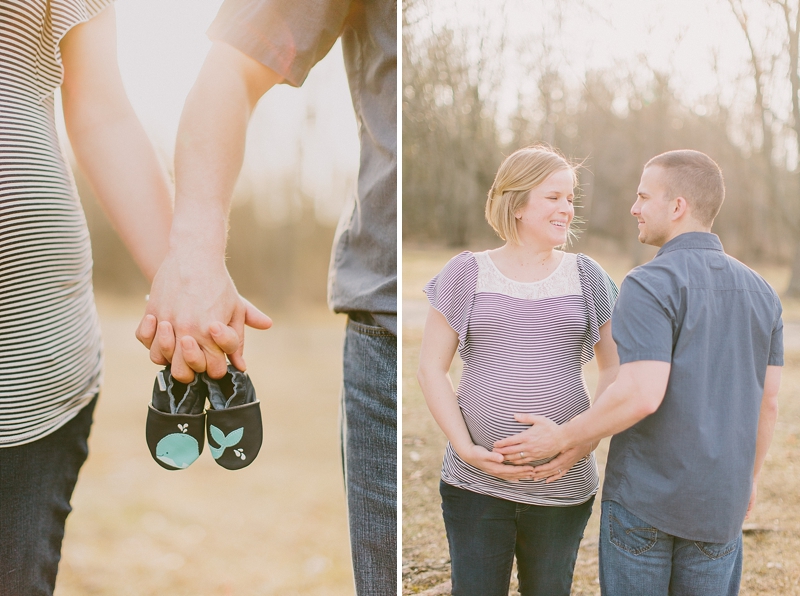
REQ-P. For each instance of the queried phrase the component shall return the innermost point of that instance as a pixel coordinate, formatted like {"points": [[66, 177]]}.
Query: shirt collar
{"points": [[701, 240]]}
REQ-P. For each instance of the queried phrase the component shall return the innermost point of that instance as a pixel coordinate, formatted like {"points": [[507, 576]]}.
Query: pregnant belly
{"points": [[489, 415]]}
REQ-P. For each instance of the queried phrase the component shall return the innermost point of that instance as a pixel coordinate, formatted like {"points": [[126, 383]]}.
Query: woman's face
{"points": [[545, 218]]}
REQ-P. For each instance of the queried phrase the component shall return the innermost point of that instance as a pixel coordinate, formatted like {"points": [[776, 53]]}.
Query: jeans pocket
{"points": [[628, 532], [365, 324], [717, 550]]}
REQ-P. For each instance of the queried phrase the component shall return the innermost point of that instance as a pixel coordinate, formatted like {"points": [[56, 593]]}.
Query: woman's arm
{"points": [[439, 343], [607, 359], [110, 144]]}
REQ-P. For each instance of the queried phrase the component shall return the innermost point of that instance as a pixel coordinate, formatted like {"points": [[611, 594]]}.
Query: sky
{"points": [[161, 47], [679, 37]]}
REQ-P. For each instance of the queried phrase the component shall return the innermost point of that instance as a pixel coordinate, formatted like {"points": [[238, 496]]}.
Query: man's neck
{"points": [[685, 228]]}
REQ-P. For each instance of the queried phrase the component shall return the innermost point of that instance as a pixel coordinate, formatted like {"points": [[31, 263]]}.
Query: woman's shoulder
{"points": [[598, 278], [463, 263], [464, 257], [589, 263]]}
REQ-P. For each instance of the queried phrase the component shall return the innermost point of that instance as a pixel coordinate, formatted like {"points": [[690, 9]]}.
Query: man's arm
{"points": [[110, 144], [766, 426], [193, 290], [636, 393]]}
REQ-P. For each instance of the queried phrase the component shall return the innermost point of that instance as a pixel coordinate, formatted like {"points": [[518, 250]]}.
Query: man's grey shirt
{"points": [[687, 469], [290, 37]]}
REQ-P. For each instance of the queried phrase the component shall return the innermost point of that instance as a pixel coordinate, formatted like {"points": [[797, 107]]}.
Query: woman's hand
{"points": [[544, 439], [558, 467], [492, 463]]}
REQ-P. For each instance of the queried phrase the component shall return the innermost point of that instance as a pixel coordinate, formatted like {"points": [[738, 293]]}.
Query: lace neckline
{"points": [[564, 280], [494, 266]]}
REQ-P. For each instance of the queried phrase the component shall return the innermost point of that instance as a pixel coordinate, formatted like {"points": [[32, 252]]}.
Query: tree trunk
{"points": [[793, 291]]}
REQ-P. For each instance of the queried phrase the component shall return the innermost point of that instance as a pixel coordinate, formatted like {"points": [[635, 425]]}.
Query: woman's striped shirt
{"points": [[50, 348], [523, 346]]}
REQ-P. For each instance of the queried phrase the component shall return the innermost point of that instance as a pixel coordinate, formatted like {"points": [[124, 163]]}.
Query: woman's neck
{"points": [[526, 263]]}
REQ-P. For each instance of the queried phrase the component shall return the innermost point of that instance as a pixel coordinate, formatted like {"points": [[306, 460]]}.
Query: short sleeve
{"points": [[452, 291], [288, 36], [60, 16], [641, 326], [599, 295], [776, 341]]}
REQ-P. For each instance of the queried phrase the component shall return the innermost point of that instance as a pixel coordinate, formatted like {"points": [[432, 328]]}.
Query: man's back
{"points": [[687, 468]]}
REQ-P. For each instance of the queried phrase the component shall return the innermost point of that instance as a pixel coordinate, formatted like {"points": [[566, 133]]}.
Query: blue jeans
{"points": [[36, 484], [636, 558], [484, 534], [369, 441]]}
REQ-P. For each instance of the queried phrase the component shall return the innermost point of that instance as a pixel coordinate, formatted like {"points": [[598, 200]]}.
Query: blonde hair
{"points": [[695, 177], [520, 172]]}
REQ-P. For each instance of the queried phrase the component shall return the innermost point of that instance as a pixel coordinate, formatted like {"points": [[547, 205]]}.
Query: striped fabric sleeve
{"points": [[599, 295], [451, 292], [59, 18]]}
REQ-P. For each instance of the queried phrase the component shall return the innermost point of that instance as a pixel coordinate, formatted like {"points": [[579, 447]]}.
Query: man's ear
{"points": [[680, 208]]}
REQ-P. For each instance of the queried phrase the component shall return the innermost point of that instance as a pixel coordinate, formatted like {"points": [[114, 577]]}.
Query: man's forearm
{"points": [[767, 418], [210, 148], [208, 156], [635, 394]]}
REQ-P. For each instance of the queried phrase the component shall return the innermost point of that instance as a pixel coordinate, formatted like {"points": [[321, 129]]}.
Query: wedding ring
{"points": [[521, 454], [559, 470]]}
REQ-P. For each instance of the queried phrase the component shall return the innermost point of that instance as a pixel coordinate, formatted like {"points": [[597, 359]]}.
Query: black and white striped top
{"points": [[50, 347], [523, 346]]}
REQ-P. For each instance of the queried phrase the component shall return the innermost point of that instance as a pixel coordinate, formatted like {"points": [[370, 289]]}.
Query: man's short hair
{"points": [[520, 172], [695, 177]]}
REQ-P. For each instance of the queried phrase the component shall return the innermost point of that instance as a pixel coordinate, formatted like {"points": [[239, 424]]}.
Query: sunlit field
{"points": [[772, 535], [278, 526]]}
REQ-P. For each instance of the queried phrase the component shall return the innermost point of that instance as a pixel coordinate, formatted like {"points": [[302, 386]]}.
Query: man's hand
{"points": [[558, 467], [542, 440], [194, 317]]}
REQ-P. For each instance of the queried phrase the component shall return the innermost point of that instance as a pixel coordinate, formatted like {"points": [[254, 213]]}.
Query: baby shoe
{"points": [[176, 421], [234, 419]]}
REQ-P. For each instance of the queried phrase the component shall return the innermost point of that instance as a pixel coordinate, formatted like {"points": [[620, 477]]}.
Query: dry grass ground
{"points": [[772, 541], [276, 527]]}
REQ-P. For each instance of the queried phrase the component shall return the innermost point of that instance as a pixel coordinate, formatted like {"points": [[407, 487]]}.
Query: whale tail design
{"points": [[224, 441]]}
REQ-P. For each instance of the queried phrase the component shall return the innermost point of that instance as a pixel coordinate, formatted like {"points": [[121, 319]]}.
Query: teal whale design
{"points": [[178, 450], [224, 441]]}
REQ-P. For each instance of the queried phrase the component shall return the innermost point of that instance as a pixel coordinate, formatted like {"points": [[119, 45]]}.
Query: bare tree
{"points": [[764, 70]]}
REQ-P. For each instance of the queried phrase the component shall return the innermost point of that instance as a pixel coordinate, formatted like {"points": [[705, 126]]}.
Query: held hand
{"points": [[199, 305], [558, 467], [540, 441], [492, 463]]}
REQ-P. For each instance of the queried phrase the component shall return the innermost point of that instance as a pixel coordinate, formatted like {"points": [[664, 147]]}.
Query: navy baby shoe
{"points": [[176, 421], [234, 419]]}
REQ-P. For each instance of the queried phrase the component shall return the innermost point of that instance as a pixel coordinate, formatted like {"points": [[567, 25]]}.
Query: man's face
{"points": [[652, 208]]}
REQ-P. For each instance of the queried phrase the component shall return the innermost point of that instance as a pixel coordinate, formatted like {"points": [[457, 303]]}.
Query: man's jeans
{"points": [[485, 533], [636, 558], [370, 455], [36, 484]]}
